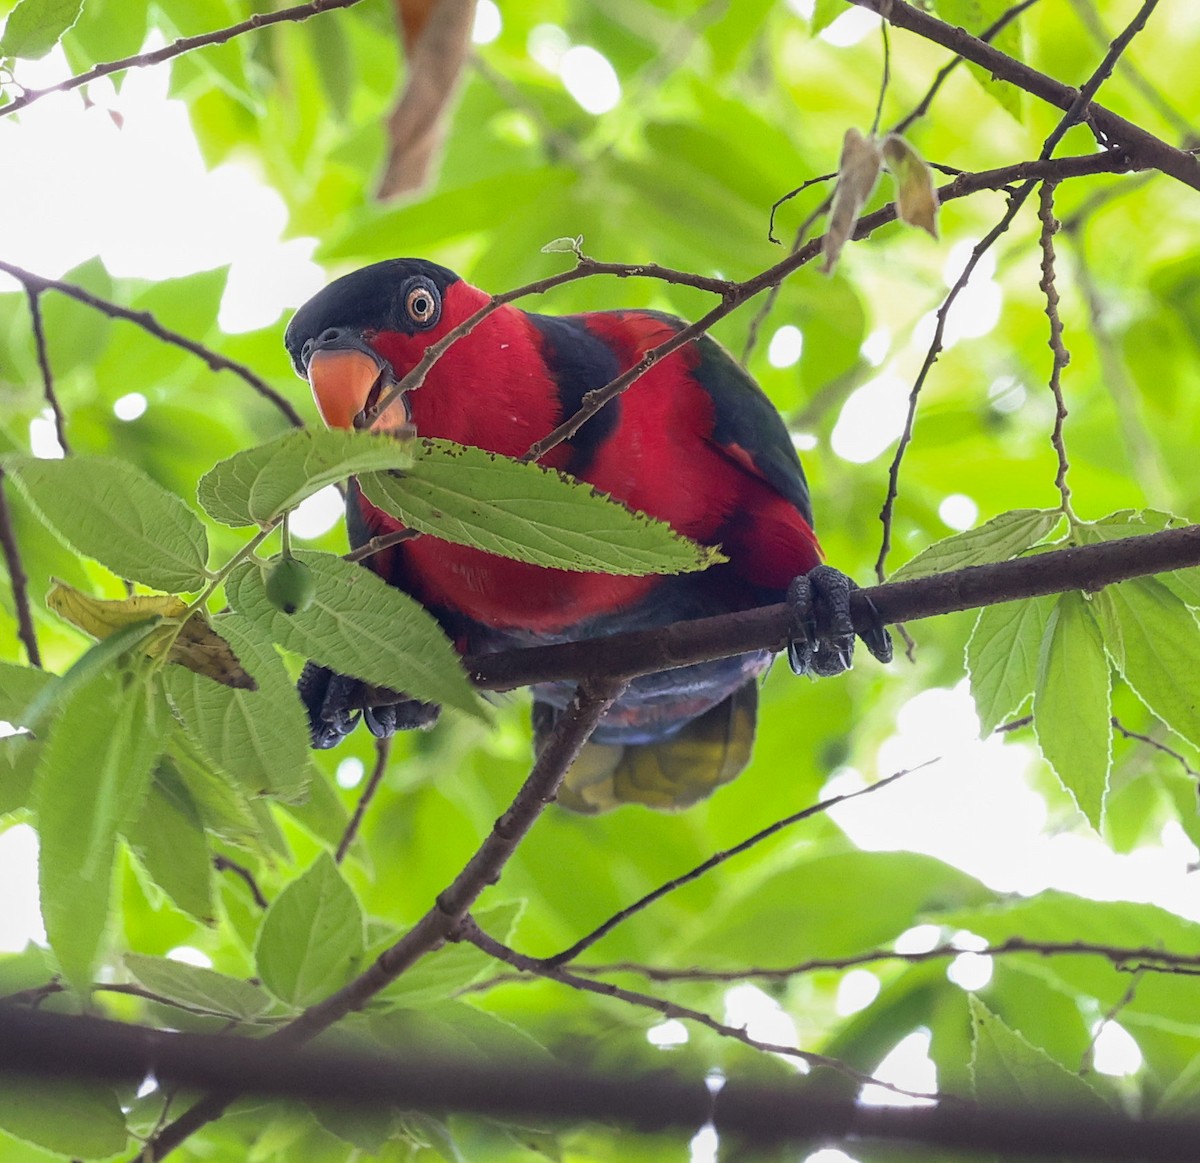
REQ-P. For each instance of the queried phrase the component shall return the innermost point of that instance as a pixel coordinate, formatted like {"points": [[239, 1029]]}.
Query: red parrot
{"points": [[694, 442]]}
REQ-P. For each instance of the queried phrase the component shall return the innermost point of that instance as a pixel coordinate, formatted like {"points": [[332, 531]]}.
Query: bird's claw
{"points": [[336, 702], [821, 641]]}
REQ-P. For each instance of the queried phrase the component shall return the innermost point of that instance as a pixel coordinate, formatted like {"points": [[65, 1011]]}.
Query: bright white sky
{"points": [[151, 210]]}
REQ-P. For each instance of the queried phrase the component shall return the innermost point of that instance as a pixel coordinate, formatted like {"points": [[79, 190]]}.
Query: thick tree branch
{"points": [[64, 1045], [1088, 567], [1144, 149], [483, 869]]}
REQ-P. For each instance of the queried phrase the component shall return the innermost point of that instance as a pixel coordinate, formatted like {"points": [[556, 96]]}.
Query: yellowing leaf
{"points": [[916, 197], [195, 644], [858, 174]]}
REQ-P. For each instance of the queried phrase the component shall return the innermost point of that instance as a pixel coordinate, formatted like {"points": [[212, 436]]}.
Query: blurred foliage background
{"points": [[702, 117]]}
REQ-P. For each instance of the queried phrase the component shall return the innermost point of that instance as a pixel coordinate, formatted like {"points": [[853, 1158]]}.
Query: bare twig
{"points": [[1158, 745], [36, 284], [586, 942], [222, 863], [668, 1009], [18, 579], [1144, 149], [43, 356], [178, 48], [383, 749], [1079, 106], [1124, 959], [1061, 356]]}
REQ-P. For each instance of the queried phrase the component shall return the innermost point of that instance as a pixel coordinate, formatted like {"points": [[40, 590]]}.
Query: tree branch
{"points": [[66, 1045], [1145, 150], [1088, 567], [18, 579], [178, 48], [36, 284], [570, 733]]}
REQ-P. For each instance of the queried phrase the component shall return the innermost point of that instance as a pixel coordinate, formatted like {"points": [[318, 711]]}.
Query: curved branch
{"points": [[570, 733], [1146, 150], [36, 284], [177, 48]]}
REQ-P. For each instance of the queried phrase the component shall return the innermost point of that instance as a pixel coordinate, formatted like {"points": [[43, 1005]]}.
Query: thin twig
{"points": [[1087, 1060], [586, 942], [1158, 745], [1144, 149], [43, 357], [1077, 107], [1123, 959], [178, 48], [668, 1009], [1062, 357], [36, 284], [222, 863], [18, 580], [383, 749]]}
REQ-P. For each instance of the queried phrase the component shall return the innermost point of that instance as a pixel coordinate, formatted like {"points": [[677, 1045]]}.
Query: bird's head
{"points": [[367, 329]]}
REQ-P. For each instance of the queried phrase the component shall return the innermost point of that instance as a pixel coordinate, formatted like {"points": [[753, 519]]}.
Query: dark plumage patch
{"points": [[371, 299], [579, 362]]}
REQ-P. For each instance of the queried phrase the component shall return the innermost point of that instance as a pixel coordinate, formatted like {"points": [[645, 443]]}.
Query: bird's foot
{"points": [[821, 642], [336, 702]]}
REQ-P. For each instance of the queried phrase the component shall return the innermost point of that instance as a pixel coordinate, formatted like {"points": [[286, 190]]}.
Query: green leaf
{"points": [[1012, 1073], [312, 938], [19, 757], [1072, 704], [35, 26], [360, 625], [19, 687], [93, 775], [259, 485], [1161, 642], [825, 12], [977, 16], [200, 988], [168, 837], [1002, 658], [259, 737], [490, 502], [996, 540], [80, 1119], [109, 510]]}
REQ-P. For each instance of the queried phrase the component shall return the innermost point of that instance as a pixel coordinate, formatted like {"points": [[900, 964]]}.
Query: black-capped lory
{"points": [[694, 442]]}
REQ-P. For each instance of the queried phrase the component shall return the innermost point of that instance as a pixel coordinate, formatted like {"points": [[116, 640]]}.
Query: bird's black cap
{"points": [[370, 299]]}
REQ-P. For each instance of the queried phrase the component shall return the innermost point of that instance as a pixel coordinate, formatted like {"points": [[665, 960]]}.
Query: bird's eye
{"points": [[421, 305]]}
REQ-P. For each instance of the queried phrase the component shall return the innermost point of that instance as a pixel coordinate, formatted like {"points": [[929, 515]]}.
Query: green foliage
{"points": [[312, 937], [139, 772], [527, 512], [109, 510], [34, 27]]}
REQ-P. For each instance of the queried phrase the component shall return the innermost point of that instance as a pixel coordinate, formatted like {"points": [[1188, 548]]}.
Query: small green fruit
{"points": [[290, 586]]}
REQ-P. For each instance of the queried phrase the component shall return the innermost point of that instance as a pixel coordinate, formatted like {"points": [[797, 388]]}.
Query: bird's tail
{"points": [[668, 774]]}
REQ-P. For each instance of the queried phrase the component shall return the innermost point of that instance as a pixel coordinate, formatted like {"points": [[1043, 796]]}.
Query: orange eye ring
{"points": [[420, 305]]}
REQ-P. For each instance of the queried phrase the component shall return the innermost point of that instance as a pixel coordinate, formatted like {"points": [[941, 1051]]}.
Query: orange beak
{"points": [[341, 382]]}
